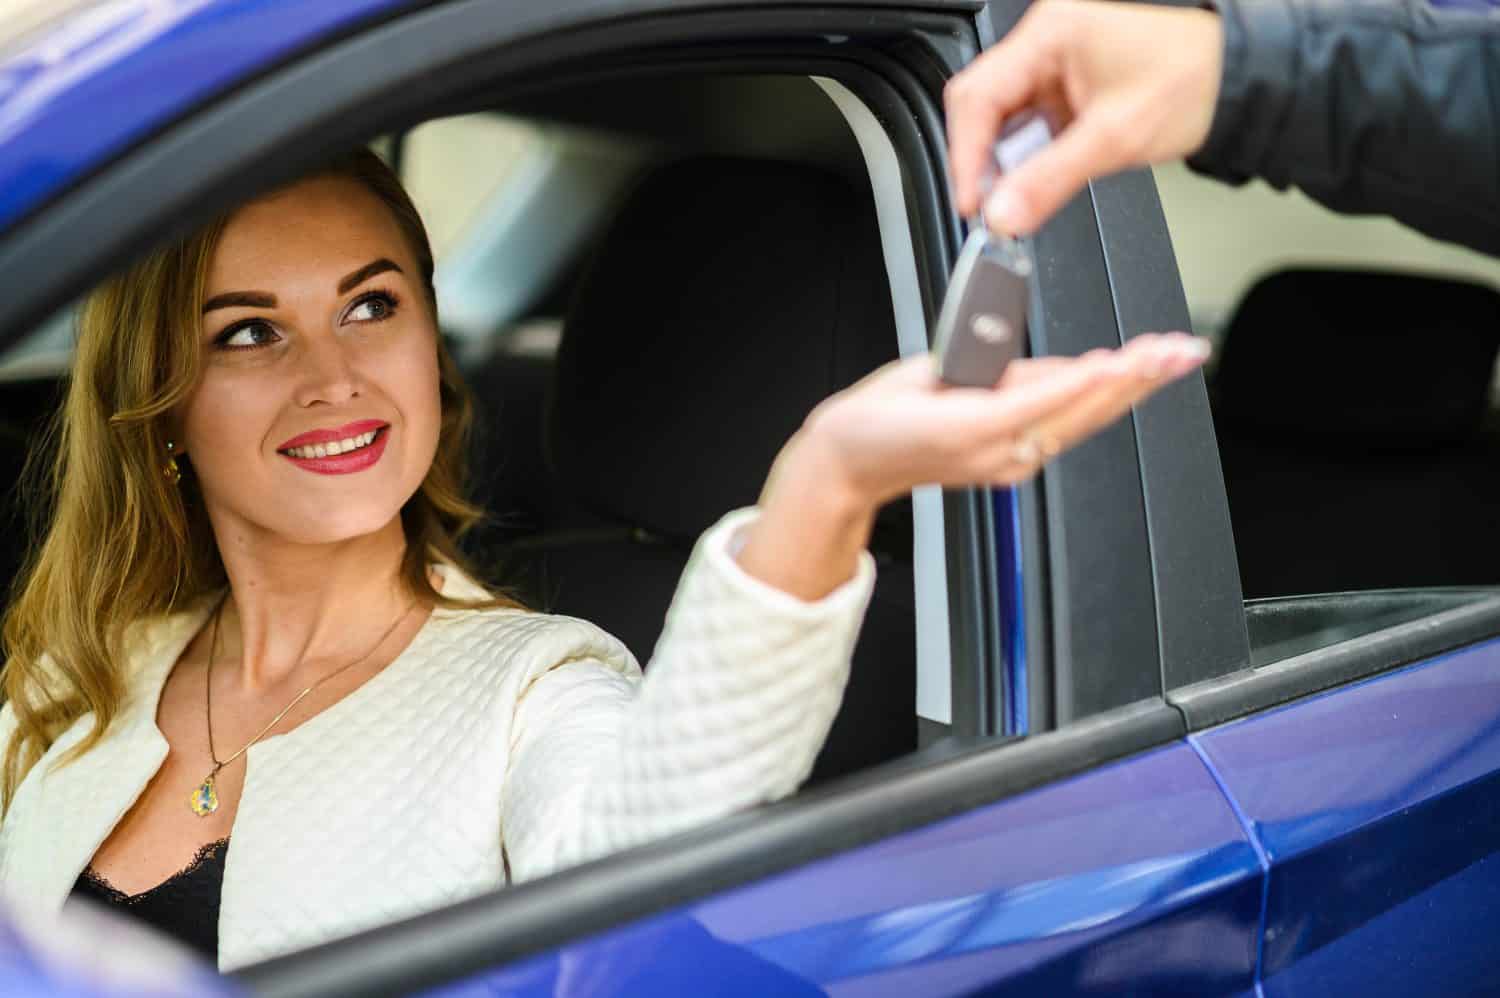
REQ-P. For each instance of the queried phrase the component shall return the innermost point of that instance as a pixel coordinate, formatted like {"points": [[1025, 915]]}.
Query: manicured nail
{"points": [[1198, 348], [1182, 365], [1002, 211]]}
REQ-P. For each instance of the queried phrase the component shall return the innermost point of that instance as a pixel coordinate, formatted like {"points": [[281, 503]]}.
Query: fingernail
{"points": [[1002, 210], [1185, 364], [1198, 348]]}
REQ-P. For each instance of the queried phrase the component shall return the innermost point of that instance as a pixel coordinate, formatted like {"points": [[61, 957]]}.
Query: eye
{"points": [[247, 335], [373, 307]]}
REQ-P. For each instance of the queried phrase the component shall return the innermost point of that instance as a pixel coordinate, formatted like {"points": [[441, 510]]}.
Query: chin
{"points": [[324, 526]]}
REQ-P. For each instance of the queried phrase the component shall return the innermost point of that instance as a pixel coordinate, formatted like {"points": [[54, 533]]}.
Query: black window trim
{"points": [[1194, 570], [1249, 690]]}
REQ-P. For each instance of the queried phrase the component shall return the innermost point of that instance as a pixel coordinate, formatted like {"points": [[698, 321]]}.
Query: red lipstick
{"points": [[343, 463]]}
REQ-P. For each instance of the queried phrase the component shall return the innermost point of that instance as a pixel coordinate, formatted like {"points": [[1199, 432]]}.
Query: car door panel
{"points": [[1378, 808], [1135, 876]]}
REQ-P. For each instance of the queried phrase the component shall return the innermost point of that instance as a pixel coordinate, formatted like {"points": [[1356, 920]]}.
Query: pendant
{"points": [[204, 800]]}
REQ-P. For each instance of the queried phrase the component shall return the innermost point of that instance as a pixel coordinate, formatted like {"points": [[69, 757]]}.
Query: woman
{"points": [[255, 696]]}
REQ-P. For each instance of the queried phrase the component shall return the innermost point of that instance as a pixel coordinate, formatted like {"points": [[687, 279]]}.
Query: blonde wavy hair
{"points": [[120, 543]]}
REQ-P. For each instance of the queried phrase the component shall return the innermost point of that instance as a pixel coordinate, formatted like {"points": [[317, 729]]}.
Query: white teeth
{"points": [[335, 448]]}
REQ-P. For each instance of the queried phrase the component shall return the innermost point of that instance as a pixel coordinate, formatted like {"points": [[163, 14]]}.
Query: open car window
{"points": [[1354, 401], [536, 214]]}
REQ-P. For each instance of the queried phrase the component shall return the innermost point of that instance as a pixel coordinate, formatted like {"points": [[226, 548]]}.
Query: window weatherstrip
{"points": [[929, 561]]}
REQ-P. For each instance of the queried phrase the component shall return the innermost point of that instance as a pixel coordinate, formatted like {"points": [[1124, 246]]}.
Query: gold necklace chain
{"points": [[205, 799]]}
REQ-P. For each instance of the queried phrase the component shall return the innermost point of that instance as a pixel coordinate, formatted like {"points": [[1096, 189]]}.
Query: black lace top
{"points": [[184, 906]]}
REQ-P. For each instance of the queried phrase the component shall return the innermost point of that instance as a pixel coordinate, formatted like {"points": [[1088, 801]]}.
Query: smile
{"points": [[334, 447], [338, 451]]}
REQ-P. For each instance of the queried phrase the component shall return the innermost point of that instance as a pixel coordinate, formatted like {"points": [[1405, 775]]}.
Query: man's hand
{"points": [[1127, 84]]}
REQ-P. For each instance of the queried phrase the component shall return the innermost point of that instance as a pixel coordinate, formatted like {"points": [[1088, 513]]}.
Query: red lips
{"points": [[353, 429], [346, 462]]}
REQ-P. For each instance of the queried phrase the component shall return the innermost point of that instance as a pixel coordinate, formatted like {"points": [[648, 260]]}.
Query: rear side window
{"points": [[1354, 400]]}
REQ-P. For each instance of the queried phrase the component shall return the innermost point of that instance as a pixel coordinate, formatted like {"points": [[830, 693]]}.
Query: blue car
{"points": [[1074, 758]]}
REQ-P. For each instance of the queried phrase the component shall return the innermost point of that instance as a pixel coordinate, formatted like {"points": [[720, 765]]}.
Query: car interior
{"points": [[732, 282]]}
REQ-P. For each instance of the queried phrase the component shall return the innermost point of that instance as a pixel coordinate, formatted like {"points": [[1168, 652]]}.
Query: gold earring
{"points": [[173, 473]]}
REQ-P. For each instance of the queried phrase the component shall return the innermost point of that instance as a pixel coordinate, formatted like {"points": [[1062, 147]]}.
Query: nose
{"points": [[329, 374]]}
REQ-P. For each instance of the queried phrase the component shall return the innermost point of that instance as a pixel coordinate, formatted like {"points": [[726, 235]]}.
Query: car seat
{"points": [[727, 299], [1352, 409]]}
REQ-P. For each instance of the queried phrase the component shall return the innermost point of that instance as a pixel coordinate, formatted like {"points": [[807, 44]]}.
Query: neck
{"points": [[294, 611]]}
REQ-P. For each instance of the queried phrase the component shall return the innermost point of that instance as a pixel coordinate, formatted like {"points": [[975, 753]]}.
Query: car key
{"points": [[981, 327]]}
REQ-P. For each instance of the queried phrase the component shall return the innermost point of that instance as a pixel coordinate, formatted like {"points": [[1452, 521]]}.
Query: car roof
{"points": [[90, 86], [86, 85]]}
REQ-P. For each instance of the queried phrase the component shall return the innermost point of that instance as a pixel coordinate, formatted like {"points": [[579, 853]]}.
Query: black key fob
{"points": [[981, 327]]}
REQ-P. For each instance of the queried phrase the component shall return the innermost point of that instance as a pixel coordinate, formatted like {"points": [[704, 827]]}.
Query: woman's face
{"points": [[316, 416]]}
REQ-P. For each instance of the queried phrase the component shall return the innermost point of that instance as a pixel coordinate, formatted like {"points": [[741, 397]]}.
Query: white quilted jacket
{"points": [[501, 745]]}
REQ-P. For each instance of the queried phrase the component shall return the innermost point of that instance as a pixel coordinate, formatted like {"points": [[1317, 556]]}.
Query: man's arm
{"points": [[1367, 106]]}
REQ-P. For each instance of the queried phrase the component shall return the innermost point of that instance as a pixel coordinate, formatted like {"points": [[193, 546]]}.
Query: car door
{"points": [[1358, 741], [1059, 835]]}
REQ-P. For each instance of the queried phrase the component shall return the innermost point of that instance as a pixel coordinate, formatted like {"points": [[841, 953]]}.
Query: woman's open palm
{"points": [[901, 427]]}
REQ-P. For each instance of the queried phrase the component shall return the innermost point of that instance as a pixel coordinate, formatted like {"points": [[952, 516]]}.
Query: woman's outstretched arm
{"points": [[750, 668]]}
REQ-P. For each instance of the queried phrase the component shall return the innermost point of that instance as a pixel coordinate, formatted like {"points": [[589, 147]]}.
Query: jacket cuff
{"points": [[1259, 80], [721, 542]]}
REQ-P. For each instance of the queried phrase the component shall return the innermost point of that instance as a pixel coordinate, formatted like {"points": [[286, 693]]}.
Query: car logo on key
{"points": [[991, 328]]}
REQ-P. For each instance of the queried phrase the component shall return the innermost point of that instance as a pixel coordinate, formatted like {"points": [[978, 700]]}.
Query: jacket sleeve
{"points": [[1381, 106], [735, 704]]}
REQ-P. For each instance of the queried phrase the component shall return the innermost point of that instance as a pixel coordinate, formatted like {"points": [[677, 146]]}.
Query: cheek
{"points": [[414, 382], [226, 415]]}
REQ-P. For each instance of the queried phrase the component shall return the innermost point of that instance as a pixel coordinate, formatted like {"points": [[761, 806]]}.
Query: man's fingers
{"points": [[1095, 143], [999, 83]]}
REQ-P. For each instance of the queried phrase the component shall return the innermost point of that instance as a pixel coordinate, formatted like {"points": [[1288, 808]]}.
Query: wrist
{"points": [[813, 524], [810, 475]]}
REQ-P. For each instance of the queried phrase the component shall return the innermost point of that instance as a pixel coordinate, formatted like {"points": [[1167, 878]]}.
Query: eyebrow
{"points": [[366, 272], [264, 299], [247, 299]]}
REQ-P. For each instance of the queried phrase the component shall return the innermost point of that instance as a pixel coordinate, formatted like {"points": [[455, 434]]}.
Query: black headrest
{"points": [[728, 298], [1378, 361]]}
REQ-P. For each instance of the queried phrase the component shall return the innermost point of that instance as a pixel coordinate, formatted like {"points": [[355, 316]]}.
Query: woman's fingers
{"points": [[901, 426], [1072, 409], [1029, 369]]}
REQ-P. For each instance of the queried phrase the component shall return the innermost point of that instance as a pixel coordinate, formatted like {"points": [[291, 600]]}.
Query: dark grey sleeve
{"points": [[1381, 106]]}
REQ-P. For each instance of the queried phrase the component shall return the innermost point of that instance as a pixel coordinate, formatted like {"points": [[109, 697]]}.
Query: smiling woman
{"points": [[256, 696]]}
